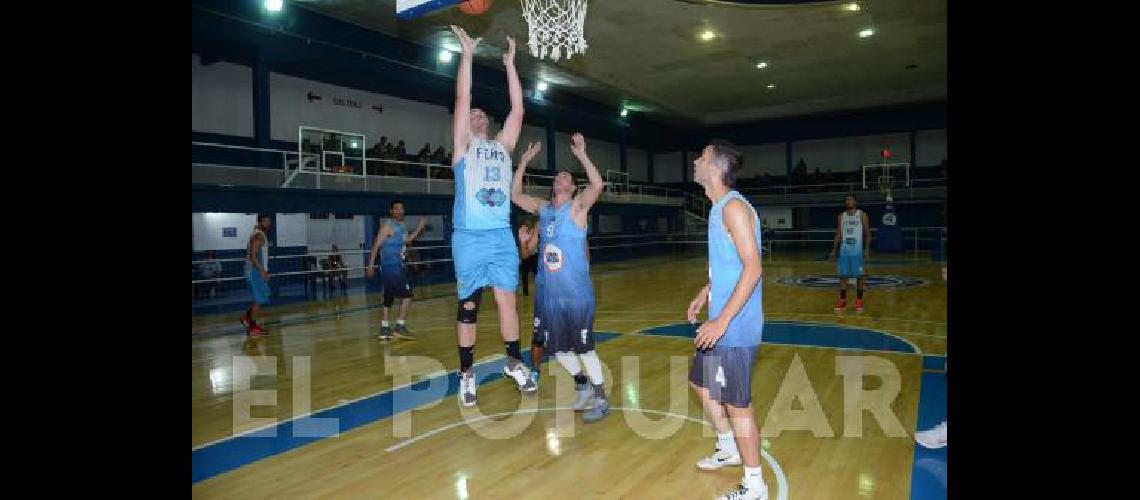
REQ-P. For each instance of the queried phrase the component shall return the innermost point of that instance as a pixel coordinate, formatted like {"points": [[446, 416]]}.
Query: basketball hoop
{"points": [[555, 26], [886, 182]]}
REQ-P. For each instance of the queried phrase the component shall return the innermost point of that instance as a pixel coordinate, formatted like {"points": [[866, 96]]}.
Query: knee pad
{"points": [[468, 311]]}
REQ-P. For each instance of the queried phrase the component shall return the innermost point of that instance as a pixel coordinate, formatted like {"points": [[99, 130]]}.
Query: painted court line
{"points": [[645, 332], [346, 402], [781, 479], [768, 313], [247, 451], [232, 452]]}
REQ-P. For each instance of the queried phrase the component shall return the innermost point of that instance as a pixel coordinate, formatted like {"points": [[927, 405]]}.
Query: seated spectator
{"points": [[211, 269], [401, 151], [439, 155], [336, 263], [799, 174], [377, 149], [425, 153], [386, 167]]}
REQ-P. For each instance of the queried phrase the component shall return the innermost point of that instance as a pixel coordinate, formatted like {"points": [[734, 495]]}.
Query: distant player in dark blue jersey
{"points": [[566, 293], [391, 245]]}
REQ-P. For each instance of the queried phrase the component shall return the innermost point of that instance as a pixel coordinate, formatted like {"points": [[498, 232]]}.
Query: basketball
{"points": [[475, 7]]}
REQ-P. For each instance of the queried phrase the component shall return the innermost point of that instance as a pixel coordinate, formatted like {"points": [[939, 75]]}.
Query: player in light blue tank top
{"points": [[721, 373], [564, 309], [391, 245], [725, 268], [257, 274], [853, 241], [482, 247]]}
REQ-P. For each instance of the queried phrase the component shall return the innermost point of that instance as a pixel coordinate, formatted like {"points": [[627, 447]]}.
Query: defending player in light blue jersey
{"points": [[565, 308], [482, 246], [853, 240], [257, 274], [727, 343]]}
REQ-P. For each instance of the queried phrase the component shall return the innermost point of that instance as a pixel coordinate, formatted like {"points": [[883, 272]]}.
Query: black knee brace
{"points": [[470, 316]]}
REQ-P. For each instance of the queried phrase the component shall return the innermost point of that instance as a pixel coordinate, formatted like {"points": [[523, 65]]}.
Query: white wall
{"points": [[667, 167], [208, 230], [530, 134], [605, 155], [412, 121], [347, 234], [221, 98], [841, 154], [931, 146], [775, 217], [764, 158], [563, 158], [637, 162], [292, 230]]}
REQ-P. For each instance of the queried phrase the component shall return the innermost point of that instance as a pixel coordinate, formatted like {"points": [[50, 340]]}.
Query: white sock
{"points": [[753, 479], [384, 323], [569, 361], [400, 322], [726, 442], [593, 367]]}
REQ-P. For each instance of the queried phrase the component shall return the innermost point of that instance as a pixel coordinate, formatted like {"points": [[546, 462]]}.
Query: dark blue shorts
{"points": [[726, 372], [396, 284], [567, 325]]}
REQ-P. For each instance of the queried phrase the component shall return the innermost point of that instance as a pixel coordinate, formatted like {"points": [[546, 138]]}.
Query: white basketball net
{"points": [[555, 26]]}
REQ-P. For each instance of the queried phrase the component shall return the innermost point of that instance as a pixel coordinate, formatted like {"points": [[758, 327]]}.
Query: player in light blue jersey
{"points": [[482, 246], [727, 343], [853, 240], [257, 274], [565, 294]]}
